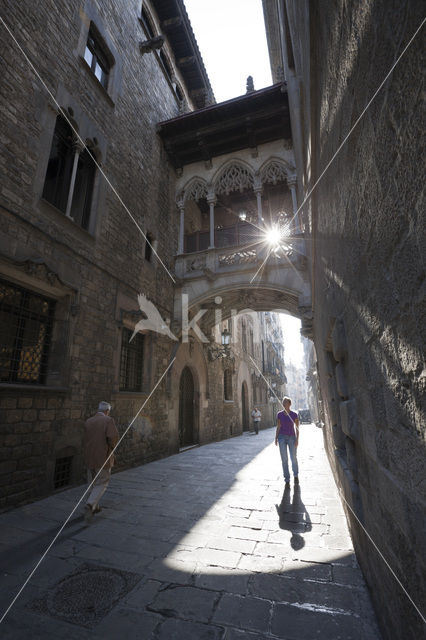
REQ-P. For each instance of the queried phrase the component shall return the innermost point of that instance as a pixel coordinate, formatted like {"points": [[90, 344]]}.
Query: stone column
{"points": [[258, 189], [211, 199], [291, 182], [181, 207], [78, 147]]}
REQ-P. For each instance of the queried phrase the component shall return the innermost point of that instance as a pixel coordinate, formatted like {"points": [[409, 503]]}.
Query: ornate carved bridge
{"points": [[240, 235]]}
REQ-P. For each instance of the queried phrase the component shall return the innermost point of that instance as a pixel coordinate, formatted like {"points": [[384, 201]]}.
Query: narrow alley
{"points": [[201, 545]]}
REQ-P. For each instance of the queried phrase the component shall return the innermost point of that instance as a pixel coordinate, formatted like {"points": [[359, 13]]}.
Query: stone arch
{"points": [[244, 297], [234, 175], [275, 170], [195, 189]]}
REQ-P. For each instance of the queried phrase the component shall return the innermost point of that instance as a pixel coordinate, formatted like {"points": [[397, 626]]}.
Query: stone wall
{"points": [[96, 270], [369, 329]]}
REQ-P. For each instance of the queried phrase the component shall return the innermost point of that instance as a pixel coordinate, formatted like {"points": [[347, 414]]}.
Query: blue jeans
{"points": [[283, 443]]}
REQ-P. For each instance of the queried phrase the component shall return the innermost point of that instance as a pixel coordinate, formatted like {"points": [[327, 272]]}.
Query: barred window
{"points": [[26, 321], [227, 384], [131, 361], [63, 469]]}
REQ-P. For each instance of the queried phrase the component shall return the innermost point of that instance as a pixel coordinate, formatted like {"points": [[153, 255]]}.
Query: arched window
{"points": [[227, 384], [274, 172], [234, 177]]}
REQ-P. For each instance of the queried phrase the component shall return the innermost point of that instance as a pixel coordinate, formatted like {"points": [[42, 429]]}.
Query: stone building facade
{"points": [[74, 236], [358, 127], [89, 222]]}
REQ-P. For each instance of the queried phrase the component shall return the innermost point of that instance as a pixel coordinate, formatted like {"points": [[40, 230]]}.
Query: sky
{"points": [[293, 348], [232, 41]]}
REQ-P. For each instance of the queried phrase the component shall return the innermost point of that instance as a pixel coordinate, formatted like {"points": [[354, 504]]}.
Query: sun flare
{"points": [[273, 236]]}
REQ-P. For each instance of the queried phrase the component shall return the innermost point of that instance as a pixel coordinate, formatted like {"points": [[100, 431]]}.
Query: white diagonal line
{"points": [[64, 115], [383, 558], [78, 503]]}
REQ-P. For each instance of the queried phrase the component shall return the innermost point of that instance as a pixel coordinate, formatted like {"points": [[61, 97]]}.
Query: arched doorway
{"points": [[245, 407], [187, 434]]}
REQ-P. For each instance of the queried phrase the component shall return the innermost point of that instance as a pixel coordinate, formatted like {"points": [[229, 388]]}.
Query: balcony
{"points": [[238, 247], [239, 234], [219, 261]]}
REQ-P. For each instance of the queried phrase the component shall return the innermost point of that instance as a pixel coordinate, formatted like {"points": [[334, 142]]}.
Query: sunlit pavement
{"points": [[204, 545]]}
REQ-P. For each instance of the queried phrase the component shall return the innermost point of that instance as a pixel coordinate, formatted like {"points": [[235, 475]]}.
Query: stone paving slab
{"points": [[217, 549]]}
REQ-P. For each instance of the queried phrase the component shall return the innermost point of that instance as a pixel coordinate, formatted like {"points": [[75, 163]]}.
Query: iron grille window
{"points": [[62, 477], [227, 384], [97, 58], [26, 320], [131, 361]]}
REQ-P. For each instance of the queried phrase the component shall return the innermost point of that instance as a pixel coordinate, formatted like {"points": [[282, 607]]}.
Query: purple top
{"points": [[287, 423]]}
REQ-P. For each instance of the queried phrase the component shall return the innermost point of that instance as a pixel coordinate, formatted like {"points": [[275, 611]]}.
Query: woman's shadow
{"points": [[293, 516]]}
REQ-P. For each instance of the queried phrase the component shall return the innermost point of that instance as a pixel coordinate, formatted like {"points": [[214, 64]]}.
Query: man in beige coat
{"points": [[100, 438]]}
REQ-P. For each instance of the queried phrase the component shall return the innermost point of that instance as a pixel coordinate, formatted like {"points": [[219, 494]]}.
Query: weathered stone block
{"points": [[39, 427], [21, 451], [12, 440], [33, 462], [8, 403], [39, 402], [46, 414], [30, 415], [14, 416], [348, 417], [338, 340], [342, 386]]}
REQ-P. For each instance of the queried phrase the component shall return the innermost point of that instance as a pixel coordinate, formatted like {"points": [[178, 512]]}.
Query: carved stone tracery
{"points": [[274, 172], [196, 190], [234, 177]]}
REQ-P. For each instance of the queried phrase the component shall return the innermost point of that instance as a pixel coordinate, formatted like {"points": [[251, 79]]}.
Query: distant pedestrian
{"points": [[100, 438], [256, 415], [287, 435]]}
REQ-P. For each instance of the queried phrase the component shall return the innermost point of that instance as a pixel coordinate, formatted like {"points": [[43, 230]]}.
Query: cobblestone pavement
{"points": [[204, 545]]}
